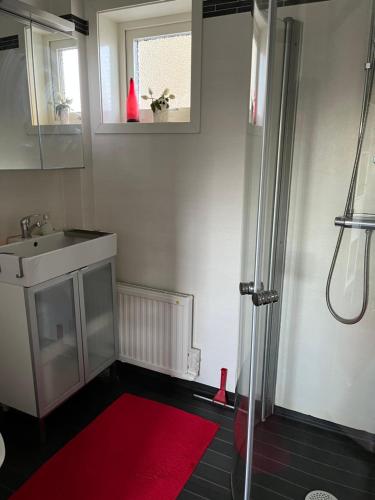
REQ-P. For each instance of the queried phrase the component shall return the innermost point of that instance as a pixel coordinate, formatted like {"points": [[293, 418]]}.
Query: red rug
{"points": [[135, 450]]}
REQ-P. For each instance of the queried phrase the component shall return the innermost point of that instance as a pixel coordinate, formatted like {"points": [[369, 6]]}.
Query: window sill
{"points": [[178, 123], [148, 128]]}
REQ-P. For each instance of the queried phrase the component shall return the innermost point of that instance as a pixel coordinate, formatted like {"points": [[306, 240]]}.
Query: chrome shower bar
{"points": [[356, 222], [30, 13]]}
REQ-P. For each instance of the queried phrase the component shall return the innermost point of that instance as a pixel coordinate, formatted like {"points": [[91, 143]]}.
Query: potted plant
{"points": [[62, 109], [159, 106]]}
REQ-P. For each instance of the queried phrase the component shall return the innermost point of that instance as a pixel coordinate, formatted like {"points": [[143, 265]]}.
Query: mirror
{"points": [[56, 96], [19, 149], [40, 97]]}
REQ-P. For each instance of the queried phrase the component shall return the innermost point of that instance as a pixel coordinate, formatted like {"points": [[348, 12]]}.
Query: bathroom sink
{"points": [[35, 260]]}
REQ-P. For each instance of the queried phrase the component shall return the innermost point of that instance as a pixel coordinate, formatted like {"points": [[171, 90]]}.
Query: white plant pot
{"points": [[64, 116], [161, 116]]}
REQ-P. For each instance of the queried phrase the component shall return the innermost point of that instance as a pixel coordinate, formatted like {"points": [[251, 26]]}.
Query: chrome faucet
{"points": [[27, 225]]}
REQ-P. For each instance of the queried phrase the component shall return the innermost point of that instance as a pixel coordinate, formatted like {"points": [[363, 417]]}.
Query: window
{"points": [[159, 57], [151, 43]]}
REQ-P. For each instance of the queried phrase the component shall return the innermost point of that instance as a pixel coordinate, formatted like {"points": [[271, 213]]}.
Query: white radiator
{"points": [[156, 330]]}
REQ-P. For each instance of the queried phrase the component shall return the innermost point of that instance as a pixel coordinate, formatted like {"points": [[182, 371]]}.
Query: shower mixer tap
{"points": [[356, 222]]}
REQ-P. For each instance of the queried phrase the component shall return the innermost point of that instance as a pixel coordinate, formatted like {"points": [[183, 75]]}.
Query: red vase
{"points": [[132, 109]]}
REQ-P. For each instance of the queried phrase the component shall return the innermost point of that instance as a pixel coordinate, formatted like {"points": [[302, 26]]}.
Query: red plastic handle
{"points": [[223, 379]]}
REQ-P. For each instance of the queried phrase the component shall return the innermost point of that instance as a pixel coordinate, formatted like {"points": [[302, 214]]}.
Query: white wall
{"points": [[109, 69], [327, 369], [176, 200]]}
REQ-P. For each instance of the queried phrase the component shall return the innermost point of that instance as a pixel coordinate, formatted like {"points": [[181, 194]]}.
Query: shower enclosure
{"points": [[304, 422]]}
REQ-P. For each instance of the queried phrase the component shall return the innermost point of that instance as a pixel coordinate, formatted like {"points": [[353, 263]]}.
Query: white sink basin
{"points": [[32, 261]]}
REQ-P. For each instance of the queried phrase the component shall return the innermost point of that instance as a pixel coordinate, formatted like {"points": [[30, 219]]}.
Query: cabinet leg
{"points": [[42, 431]]}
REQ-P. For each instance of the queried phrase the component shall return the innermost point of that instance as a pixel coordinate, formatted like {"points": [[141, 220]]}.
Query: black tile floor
{"points": [[291, 458], [25, 453]]}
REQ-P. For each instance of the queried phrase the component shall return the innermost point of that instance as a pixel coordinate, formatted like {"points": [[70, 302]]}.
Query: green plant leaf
{"points": [[165, 93], [172, 96], [150, 91]]}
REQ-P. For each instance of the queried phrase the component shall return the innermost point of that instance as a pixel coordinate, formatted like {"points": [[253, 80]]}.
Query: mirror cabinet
{"points": [[40, 95]]}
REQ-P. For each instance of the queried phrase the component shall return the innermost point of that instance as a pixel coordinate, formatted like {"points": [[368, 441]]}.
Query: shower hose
{"points": [[356, 319], [349, 207]]}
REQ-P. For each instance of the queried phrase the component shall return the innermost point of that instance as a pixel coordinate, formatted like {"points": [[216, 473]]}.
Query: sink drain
{"points": [[320, 495]]}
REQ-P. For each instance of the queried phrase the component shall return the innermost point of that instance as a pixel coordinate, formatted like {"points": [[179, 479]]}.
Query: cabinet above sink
{"points": [[35, 260], [41, 122]]}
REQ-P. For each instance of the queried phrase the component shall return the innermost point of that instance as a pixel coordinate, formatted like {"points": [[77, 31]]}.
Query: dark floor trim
{"points": [[9, 42], [214, 8], [187, 385], [355, 434], [81, 25]]}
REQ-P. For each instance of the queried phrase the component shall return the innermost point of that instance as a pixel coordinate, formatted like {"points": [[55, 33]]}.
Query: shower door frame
{"points": [[277, 251], [260, 237], [283, 177]]}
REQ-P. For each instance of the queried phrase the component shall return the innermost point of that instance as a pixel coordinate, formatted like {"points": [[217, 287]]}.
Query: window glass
{"points": [[164, 62], [69, 77]]}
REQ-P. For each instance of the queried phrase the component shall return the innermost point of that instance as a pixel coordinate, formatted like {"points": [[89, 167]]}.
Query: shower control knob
{"points": [[265, 297]]}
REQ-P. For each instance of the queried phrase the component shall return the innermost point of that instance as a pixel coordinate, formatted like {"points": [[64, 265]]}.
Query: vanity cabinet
{"points": [[64, 335]]}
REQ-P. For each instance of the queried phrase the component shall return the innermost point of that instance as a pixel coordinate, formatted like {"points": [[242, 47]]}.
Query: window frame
{"points": [[153, 29], [94, 8]]}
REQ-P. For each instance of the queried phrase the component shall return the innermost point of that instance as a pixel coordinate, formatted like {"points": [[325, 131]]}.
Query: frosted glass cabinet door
{"points": [[98, 317], [57, 341]]}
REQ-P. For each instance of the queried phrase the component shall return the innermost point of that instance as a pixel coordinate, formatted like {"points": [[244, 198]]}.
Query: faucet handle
{"points": [[27, 218], [35, 216]]}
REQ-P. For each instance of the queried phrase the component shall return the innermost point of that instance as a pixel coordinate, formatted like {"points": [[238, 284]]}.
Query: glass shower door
{"points": [[265, 101], [323, 409]]}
